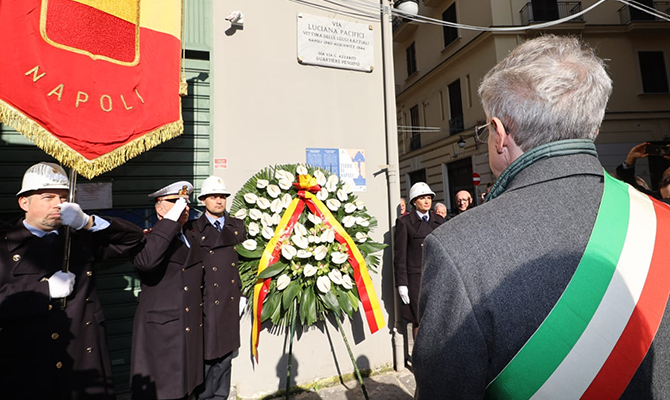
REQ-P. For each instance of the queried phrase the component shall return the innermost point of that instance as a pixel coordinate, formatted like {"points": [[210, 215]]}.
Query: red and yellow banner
{"points": [[272, 252], [91, 82]]}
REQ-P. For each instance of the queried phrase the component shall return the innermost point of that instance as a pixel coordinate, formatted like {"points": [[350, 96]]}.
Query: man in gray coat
{"points": [[517, 295]]}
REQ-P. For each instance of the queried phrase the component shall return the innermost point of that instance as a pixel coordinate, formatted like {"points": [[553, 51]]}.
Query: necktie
{"points": [[425, 218], [49, 238], [217, 225]]}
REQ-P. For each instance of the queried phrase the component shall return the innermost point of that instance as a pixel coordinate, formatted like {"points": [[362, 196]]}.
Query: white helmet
{"points": [[213, 185], [419, 189], [44, 175]]}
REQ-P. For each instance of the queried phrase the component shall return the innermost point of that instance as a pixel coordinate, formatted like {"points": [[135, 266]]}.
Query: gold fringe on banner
{"points": [[71, 159]]}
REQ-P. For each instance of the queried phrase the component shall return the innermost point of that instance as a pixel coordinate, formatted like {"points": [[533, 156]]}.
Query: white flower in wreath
{"points": [[328, 236], [338, 258], [263, 203], [273, 191], [314, 219], [361, 237], [285, 184], [320, 177], [348, 221], [268, 233], [331, 183], [300, 241], [283, 281], [359, 204], [323, 283], [250, 198], [300, 229], [342, 195], [310, 239], [254, 229], [250, 244], [301, 170], [255, 214], [288, 251], [241, 213], [286, 200], [309, 270], [304, 254], [348, 188], [276, 206], [362, 221], [320, 252], [335, 276], [347, 282], [276, 218], [266, 219], [349, 208], [322, 194], [333, 204], [261, 183]]}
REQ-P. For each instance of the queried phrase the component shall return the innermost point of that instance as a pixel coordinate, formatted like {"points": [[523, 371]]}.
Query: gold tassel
{"points": [[71, 159], [183, 87]]}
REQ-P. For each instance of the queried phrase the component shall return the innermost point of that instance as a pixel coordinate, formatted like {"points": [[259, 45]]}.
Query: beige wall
{"points": [[267, 109], [632, 116]]}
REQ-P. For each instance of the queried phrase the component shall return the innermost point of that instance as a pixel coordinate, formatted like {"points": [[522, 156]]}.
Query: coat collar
{"points": [[201, 223], [18, 235]]}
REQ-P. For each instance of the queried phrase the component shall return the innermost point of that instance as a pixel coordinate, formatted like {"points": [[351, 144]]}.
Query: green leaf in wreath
{"points": [[272, 270], [310, 298], [344, 303], [290, 293], [249, 254], [372, 247], [353, 300], [304, 305], [270, 305], [330, 301]]}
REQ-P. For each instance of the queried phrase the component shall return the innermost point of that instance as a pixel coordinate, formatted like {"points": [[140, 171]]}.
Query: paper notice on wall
{"points": [[347, 164], [94, 196]]}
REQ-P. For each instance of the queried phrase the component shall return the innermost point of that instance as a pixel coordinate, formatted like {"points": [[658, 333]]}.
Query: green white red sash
{"points": [[594, 339]]}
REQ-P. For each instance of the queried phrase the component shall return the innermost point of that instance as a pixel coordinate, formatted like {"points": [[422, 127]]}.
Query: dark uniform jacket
{"points": [[410, 231], [46, 352], [222, 287], [492, 275], [167, 355]]}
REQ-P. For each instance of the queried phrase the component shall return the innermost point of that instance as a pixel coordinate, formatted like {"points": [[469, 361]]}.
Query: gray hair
{"points": [[547, 89], [440, 205]]}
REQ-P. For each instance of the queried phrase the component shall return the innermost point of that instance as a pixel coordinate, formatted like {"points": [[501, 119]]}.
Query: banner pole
{"points": [[68, 230]]}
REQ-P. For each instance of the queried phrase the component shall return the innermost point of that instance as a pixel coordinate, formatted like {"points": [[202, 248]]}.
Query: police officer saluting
{"points": [[217, 233], [47, 351], [167, 359]]}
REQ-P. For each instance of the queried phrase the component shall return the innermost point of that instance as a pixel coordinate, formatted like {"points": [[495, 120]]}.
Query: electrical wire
{"points": [[645, 8]]}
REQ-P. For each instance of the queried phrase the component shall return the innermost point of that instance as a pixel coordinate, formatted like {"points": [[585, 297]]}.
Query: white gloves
{"points": [[176, 210], [243, 305], [61, 284], [72, 215], [404, 294]]}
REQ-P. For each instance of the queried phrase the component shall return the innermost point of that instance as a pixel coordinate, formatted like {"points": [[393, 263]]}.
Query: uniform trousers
{"points": [[217, 379]]}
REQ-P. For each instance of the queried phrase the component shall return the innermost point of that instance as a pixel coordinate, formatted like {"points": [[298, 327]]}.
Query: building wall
{"points": [[268, 109], [632, 116]]}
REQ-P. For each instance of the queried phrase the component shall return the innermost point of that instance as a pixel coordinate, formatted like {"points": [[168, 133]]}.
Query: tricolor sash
{"points": [[594, 339]]}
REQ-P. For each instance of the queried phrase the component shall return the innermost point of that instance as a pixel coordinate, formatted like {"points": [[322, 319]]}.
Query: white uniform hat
{"points": [[44, 175], [419, 189], [177, 190], [213, 185]]}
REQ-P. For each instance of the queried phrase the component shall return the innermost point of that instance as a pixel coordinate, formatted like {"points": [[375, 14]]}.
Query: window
{"points": [[652, 68], [417, 176], [411, 59], [455, 107], [450, 34], [415, 142], [639, 15], [544, 10]]}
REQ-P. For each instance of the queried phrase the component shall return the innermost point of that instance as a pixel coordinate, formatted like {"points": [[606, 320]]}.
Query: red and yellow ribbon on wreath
{"points": [[306, 185]]}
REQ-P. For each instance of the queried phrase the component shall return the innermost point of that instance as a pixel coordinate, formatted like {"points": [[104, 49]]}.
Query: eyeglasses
{"points": [[482, 133]]}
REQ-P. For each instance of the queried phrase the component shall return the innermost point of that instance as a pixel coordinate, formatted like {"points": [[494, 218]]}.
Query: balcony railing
{"points": [[456, 125], [564, 9], [628, 14]]}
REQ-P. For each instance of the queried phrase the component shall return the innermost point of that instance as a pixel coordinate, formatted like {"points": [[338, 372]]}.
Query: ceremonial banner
{"points": [[91, 82]]}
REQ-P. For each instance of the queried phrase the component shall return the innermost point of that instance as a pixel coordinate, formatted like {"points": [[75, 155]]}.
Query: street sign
{"points": [[476, 179]]}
